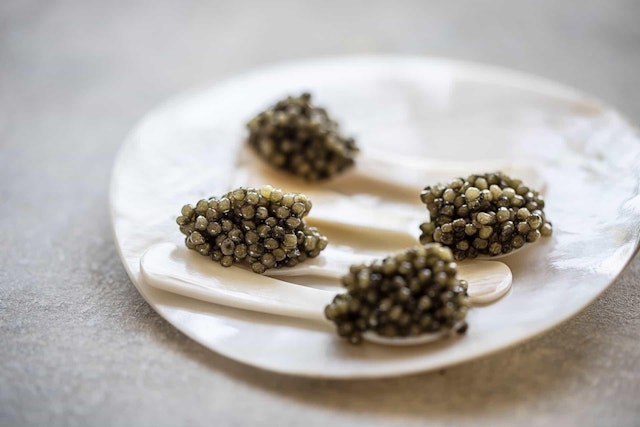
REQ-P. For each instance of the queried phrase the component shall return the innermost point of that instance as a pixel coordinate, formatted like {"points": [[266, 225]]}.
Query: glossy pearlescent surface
{"points": [[187, 149]]}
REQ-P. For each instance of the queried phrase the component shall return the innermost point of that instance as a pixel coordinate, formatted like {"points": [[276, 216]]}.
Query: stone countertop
{"points": [[79, 344]]}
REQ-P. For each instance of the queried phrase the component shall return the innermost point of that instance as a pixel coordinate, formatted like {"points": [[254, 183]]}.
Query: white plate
{"points": [[590, 157]]}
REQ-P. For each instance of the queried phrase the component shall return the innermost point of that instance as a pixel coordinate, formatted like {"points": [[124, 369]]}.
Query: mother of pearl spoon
{"points": [[357, 214], [178, 270], [402, 173], [384, 174]]}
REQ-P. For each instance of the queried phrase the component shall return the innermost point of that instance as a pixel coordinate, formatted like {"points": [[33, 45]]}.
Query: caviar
{"points": [[489, 214], [263, 228], [407, 294], [296, 136]]}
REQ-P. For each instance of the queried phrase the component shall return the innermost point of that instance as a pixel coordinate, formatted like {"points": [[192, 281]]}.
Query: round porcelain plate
{"points": [[588, 156]]}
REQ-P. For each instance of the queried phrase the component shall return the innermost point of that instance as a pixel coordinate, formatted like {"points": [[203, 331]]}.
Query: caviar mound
{"points": [[490, 214], [261, 227], [407, 294], [296, 136]]}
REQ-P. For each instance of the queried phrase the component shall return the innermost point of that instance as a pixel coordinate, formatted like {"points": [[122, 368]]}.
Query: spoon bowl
{"points": [[488, 280], [415, 340]]}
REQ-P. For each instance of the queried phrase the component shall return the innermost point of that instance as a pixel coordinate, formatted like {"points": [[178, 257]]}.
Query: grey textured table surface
{"points": [[79, 346]]}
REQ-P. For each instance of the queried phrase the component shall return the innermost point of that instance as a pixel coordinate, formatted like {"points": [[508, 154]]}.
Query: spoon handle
{"points": [[181, 271], [332, 263], [417, 172], [344, 213]]}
